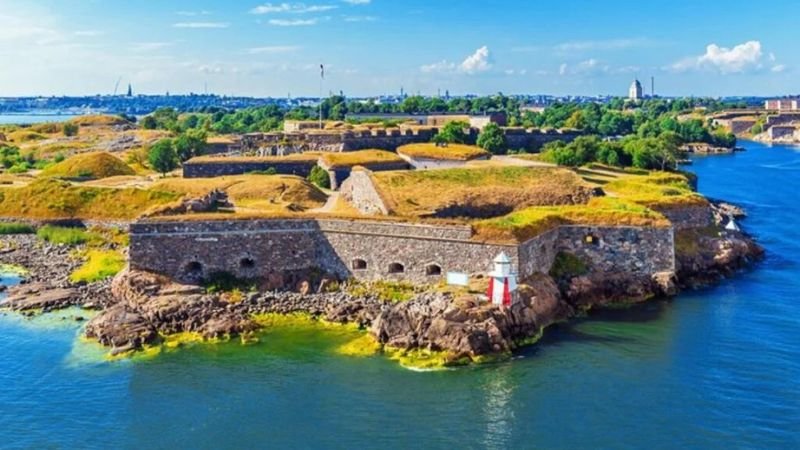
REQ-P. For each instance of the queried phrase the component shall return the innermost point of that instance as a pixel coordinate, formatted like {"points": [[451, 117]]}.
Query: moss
{"points": [[567, 265], [13, 270], [423, 359], [388, 291], [99, 265], [65, 235], [362, 346]]}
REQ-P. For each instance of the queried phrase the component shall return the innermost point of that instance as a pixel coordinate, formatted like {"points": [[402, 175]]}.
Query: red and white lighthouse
{"points": [[502, 282]]}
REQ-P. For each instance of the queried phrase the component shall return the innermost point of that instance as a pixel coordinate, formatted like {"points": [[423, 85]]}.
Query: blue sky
{"points": [[244, 47]]}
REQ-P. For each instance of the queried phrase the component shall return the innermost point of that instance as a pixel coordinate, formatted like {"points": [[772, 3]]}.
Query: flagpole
{"points": [[321, 79]]}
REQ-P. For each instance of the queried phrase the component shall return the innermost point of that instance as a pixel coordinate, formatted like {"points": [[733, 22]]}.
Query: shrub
{"points": [[492, 139], [99, 265], [16, 228], [320, 177], [71, 129], [64, 235], [162, 156], [567, 266]]}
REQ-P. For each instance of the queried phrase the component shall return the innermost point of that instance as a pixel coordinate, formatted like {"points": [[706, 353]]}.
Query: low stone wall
{"points": [[211, 169], [689, 217], [360, 192]]}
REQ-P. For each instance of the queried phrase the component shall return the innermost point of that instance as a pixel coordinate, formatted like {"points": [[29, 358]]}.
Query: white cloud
{"points": [[477, 62], [89, 33], [201, 25], [562, 69], [193, 13], [358, 2], [606, 44], [519, 72], [142, 47], [741, 58], [594, 66], [778, 68], [293, 23], [360, 18], [290, 8], [480, 61], [272, 49]]}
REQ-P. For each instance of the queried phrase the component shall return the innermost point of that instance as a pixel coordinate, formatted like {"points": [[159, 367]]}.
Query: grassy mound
{"points": [[478, 192], [453, 152], [49, 198], [605, 211], [656, 190], [258, 192], [22, 136], [89, 165], [359, 158]]}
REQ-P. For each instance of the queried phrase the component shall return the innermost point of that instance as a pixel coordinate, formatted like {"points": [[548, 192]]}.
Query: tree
{"points": [[320, 177], [190, 144], [162, 156], [453, 133], [71, 129], [149, 123], [493, 139]]}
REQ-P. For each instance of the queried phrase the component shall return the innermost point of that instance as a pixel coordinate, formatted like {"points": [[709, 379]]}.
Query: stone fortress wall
{"points": [[376, 250]]}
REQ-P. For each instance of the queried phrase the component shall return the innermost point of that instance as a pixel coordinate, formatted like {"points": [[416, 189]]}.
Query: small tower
{"points": [[502, 282], [130, 90], [635, 93]]}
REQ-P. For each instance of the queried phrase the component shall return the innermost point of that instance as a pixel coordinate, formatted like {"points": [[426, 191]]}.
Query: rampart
{"points": [[229, 166], [373, 250]]}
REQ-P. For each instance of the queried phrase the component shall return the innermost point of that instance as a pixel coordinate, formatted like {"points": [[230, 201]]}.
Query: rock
{"points": [[24, 299]]}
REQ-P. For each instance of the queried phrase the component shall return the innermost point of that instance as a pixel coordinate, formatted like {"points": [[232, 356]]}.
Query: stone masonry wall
{"points": [[360, 191], [211, 169], [689, 217], [621, 249], [365, 250]]}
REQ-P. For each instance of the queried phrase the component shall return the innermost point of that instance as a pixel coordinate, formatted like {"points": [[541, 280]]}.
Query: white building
{"points": [[503, 283], [636, 93]]}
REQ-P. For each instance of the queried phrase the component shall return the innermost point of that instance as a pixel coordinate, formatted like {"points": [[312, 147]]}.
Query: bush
{"points": [[320, 177], [64, 235], [493, 139], [162, 156], [16, 228], [452, 133], [70, 129]]}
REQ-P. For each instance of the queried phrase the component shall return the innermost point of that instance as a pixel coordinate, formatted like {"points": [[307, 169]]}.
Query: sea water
{"points": [[717, 368]]}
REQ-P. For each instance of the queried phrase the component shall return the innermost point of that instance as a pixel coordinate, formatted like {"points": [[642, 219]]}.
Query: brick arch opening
{"points": [[433, 270], [247, 263], [359, 264], [397, 268], [194, 268]]}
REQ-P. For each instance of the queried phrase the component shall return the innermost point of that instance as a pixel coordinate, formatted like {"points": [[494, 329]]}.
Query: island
{"points": [[438, 243]]}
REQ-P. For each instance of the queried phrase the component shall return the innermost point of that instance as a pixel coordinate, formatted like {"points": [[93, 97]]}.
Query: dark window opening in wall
{"points": [[247, 263], [396, 268], [433, 270], [194, 267], [591, 239], [359, 264]]}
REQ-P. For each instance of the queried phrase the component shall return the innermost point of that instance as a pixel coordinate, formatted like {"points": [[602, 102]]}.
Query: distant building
{"points": [[635, 93], [130, 90], [782, 104]]}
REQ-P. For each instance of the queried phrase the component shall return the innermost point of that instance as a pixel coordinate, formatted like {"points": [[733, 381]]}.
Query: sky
{"points": [[373, 47]]}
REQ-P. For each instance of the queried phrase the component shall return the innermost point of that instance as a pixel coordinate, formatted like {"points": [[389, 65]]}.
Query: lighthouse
{"points": [[502, 282]]}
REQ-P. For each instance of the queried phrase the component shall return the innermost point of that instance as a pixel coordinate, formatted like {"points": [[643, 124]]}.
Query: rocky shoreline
{"points": [[138, 309]]}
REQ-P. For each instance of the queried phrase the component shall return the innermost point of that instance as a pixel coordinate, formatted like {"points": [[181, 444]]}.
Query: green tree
{"points": [[453, 133], [493, 139], [190, 144], [149, 123], [162, 156], [71, 129], [320, 177]]}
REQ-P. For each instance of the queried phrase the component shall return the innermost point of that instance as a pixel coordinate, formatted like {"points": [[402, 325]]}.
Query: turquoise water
{"points": [[718, 368]]}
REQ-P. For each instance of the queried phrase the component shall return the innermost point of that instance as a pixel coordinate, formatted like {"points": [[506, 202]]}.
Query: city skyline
{"points": [[372, 47]]}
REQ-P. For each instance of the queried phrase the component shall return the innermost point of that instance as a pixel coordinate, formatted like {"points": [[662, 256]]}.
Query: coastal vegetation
{"points": [[99, 265], [319, 177], [64, 235], [7, 228]]}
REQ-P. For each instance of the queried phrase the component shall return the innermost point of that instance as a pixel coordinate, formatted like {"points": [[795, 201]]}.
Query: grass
{"points": [[49, 198], [522, 225], [99, 265], [453, 152], [567, 265], [64, 235], [16, 228], [359, 158], [656, 190], [89, 165], [98, 120], [258, 192], [388, 291], [429, 193]]}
